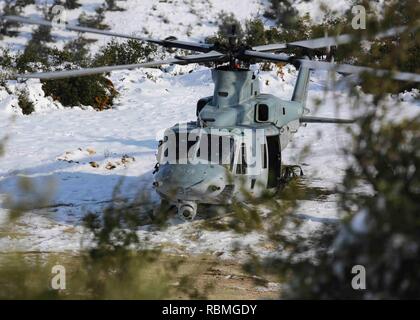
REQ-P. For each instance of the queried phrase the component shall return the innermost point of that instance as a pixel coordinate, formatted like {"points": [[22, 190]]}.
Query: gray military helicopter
{"points": [[236, 142]]}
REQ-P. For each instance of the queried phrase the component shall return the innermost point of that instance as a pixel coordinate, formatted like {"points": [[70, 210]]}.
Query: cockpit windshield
{"points": [[216, 149], [197, 148]]}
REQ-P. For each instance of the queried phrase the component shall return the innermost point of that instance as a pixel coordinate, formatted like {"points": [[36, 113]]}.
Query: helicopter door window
{"points": [[274, 161], [261, 113]]}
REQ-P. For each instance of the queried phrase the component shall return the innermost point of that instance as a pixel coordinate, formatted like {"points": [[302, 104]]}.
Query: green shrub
{"points": [[77, 50], [42, 34], [129, 52], [34, 56], [93, 21], [227, 22], [283, 12], [68, 4], [25, 104], [95, 90], [112, 6], [6, 58], [255, 33]]}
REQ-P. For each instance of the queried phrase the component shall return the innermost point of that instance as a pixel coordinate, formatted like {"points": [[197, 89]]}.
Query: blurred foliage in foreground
{"points": [[379, 228], [379, 197], [114, 264]]}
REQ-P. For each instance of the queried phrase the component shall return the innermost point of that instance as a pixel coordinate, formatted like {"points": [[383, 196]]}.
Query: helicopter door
{"points": [[274, 161]]}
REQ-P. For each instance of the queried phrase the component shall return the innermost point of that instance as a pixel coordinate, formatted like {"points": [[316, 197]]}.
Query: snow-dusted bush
{"points": [[112, 6], [128, 52], [96, 90], [227, 24], [93, 21], [68, 4], [283, 12], [25, 104]]}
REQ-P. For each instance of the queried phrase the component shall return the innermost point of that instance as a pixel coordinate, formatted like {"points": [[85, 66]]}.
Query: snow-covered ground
{"points": [[75, 155]]}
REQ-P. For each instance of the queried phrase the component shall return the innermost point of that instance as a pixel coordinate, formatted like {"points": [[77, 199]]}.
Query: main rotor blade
{"points": [[326, 41], [350, 69], [271, 47], [202, 57], [282, 57], [324, 120], [321, 65], [90, 71], [200, 47]]}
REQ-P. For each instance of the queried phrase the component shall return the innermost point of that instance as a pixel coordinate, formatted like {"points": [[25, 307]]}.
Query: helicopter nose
{"points": [[194, 181]]}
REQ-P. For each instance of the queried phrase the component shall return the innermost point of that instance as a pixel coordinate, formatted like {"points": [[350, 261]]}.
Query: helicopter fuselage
{"points": [[234, 145]]}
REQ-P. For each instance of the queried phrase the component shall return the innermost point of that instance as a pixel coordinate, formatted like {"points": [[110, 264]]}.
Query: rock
{"points": [[94, 164], [110, 166], [125, 159], [90, 151]]}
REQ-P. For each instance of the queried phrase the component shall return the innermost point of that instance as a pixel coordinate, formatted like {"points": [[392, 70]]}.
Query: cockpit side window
{"points": [[216, 149], [261, 113]]}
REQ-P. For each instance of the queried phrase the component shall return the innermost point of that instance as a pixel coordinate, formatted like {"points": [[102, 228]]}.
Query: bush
{"points": [[227, 22], [42, 34], [95, 90], [78, 51], [95, 21], [34, 57], [6, 58], [283, 12], [255, 33], [112, 6], [68, 4], [129, 52], [25, 104]]}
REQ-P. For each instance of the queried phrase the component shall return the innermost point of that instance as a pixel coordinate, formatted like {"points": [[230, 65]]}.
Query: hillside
{"points": [[54, 146]]}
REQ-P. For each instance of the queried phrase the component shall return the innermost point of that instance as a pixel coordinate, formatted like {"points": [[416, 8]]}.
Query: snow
{"points": [[55, 147], [184, 19]]}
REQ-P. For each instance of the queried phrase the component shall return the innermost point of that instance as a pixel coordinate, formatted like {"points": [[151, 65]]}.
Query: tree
{"points": [[128, 52], [68, 4], [284, 13], [112, 6]]}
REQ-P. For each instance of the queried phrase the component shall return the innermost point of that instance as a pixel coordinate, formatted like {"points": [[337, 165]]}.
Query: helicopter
{"points": [[236, 141]]}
